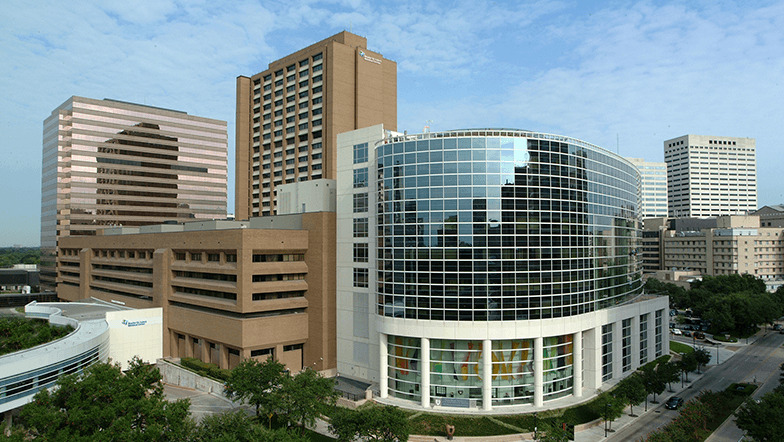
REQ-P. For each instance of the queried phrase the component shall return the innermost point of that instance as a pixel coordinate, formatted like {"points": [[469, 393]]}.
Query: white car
{"points": [[677, 331]]}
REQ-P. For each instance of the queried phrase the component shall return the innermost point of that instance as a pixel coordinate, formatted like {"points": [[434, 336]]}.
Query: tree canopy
{"points": [[370, 423], [17, 333], [296, 400], [236, 426], [103, 404], [10, 256], [257, 383], [631, 391]]}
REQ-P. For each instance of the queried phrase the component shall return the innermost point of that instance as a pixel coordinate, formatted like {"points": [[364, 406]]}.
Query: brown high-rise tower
{"points": [[289, 115]]}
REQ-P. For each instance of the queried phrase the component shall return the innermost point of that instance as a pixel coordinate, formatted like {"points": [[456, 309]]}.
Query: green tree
{"points": [[236, 426], [669, 372], [608, 407], [653, 381], [702, 357], [104, 404], [307, 396], [631, 391], [370, 423], [763, 420], [720, 317], [687, 364], [258, 383]]}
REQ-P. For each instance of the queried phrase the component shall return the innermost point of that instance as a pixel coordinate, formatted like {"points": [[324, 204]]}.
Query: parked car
{"points": [[676, 331], [699, 335], [673, 403], [777, 327], [687, 333]]}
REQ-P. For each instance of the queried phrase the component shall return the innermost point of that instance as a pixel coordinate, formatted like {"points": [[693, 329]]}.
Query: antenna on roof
{"points": [[617, 143], [426, 129]]}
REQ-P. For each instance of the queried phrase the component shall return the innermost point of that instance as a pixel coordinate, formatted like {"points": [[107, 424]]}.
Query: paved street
{"points": [[202, 403], [757, 361]]}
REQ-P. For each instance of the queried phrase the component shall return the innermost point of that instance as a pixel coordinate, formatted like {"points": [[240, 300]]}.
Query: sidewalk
{"points": [[596, 433]]}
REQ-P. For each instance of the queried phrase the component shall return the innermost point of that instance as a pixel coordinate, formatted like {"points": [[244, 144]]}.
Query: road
{"points": [[758, 362]]}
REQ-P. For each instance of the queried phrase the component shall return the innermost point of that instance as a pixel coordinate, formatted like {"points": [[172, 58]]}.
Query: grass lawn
{"points": [[681, 348], [721, 338]]}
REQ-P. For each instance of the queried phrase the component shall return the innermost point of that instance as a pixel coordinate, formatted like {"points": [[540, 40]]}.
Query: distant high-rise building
{"points": [[710, 176], [653, 187], [289, 115], [112, 163]]}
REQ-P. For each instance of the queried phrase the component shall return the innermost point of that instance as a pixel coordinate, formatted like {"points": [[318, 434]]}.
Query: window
{"points": [[317, 57], [360, 177], [360, 202], [607, 344], [261, 352], [317, 89], [360, 227], [360, 277], [179, 256], [195, 256], [231, 257], [213, 257], [360, 252], [292, 347], [360, 153]]}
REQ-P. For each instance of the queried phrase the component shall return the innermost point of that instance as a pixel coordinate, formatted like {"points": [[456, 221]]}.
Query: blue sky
{"points": [[631, 73]]}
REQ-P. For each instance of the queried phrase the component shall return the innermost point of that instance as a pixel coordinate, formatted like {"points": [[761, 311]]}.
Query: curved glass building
{"points": [[498, 267]]}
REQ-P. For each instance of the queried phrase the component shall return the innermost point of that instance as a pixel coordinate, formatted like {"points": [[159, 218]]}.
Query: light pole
{"points": [[717, 353], [605, 418], [536, 423]]}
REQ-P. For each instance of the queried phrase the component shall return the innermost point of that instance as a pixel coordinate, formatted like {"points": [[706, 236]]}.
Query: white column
{"points": [[635, 342], [617, 350], [577, 364], [538, 368], [487, 374], [652, 335], [383, 374], [425, 372], [593, 358]]}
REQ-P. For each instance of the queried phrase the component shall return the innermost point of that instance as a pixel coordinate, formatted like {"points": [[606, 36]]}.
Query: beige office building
{"points": [[289, 115], [229, 290], [736, 245], [709, 176], [112, 163]]}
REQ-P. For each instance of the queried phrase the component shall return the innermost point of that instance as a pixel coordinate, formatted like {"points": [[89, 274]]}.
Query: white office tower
{"points": [[653, 188], [489, 269], [710, 176]]}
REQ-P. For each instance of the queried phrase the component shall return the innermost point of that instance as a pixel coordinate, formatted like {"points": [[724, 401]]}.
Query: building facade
{"points": [[229, 290], [709, 176], [771, 216], [489, 268], [111, 163], [736, 245], [653, 187], [289, 115]]}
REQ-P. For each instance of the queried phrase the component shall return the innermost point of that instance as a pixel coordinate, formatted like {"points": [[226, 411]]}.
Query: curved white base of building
{"points": [[445, 364]]}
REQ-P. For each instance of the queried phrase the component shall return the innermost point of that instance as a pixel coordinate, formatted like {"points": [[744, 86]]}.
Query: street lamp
{"points": [[606, 404], [717, 353], [536, 422]]}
